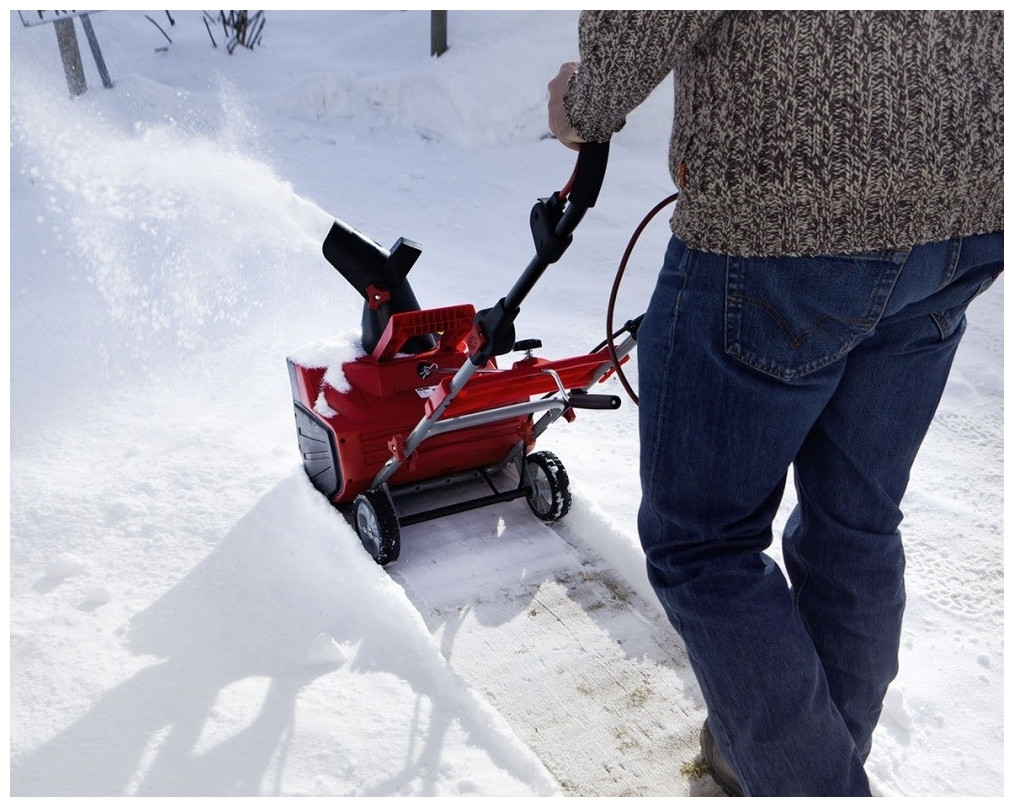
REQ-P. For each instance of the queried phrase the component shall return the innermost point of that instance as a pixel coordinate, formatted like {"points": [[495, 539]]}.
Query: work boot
{"points": [[720, 770]]}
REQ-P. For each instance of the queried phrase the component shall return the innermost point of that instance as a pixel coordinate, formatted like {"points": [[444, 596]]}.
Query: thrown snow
{"points": [[189, 617]]}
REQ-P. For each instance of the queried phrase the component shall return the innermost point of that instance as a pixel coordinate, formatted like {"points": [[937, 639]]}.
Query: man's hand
{"points": [[559, 125]]}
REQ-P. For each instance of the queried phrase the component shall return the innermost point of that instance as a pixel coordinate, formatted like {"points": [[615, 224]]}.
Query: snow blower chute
{"points": [[427, 406]]}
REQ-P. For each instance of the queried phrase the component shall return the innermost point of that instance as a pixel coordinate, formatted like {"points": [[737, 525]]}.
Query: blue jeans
{"points": [[833, 365]]}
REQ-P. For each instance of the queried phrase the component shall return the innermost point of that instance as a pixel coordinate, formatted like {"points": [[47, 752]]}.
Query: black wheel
{"points": [[549, 498], [377, 525]]}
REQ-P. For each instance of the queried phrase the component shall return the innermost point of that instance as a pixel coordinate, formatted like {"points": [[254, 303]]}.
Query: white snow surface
{"points": [[190, 617]]}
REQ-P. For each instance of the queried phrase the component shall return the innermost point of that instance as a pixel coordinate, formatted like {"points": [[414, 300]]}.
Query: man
{"points": [[841, 203]]}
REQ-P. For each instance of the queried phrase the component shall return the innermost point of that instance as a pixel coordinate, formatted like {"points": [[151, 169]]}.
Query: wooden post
{"points": [[66, 38], [438, 32]]}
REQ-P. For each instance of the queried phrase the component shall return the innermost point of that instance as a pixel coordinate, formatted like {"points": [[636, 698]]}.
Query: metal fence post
{"points": [[93, 43], [438, 32]]}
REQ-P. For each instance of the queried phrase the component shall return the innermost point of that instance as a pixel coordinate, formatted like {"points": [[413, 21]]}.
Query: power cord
{"points": [[610, 333]]}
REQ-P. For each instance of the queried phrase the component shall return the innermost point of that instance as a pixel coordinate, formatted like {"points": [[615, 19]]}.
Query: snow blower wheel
{"points": [[550, 495], [377, 525]]}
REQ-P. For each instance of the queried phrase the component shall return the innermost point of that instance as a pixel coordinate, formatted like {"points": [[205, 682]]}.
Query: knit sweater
{"points": [[810, 132]]}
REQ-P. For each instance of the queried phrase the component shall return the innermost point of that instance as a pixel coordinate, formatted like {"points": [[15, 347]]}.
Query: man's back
{"points": [[816, 132]]}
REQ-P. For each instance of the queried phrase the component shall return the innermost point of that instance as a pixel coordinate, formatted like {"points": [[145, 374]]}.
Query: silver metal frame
{"points": [[553, 405]]}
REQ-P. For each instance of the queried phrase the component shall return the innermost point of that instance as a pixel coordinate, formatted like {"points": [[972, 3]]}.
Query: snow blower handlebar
{"points": [[553, 221]]}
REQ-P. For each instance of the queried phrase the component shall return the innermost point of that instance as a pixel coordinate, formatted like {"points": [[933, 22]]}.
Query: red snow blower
{"points": [[427, 407]]}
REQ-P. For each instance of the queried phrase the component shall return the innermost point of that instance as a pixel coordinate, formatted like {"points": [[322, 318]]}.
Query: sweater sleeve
{"points": [[624, 56]]}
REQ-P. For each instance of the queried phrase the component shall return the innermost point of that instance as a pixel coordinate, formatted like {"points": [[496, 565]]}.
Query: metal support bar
{"points": [[461, 507], [438, 483], [93, 43], [500, 413]]}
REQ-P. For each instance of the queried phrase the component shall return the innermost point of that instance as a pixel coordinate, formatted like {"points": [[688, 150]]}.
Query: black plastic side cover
{"points": [[320, 455]]}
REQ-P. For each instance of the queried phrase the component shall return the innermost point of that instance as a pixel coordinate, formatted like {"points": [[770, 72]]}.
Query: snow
{"points": [[189, 616]]}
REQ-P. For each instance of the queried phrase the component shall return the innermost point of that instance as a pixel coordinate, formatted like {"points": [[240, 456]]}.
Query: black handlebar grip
{"points": [[589, 173], [585, 400]]}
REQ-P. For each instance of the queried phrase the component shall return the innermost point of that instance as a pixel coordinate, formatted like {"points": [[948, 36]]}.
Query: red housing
{"points": [[391, 392]]}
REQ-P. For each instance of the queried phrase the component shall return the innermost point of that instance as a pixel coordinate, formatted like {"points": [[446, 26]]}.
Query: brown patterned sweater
{"points": [[814, 131]]}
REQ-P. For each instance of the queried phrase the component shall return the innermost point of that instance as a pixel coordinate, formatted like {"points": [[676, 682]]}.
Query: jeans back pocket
{"points": [[789, 316]]}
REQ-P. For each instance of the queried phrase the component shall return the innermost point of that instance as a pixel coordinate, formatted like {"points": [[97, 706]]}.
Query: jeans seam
{"points": [[730, 314], [953, 258], [670, 349]]}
